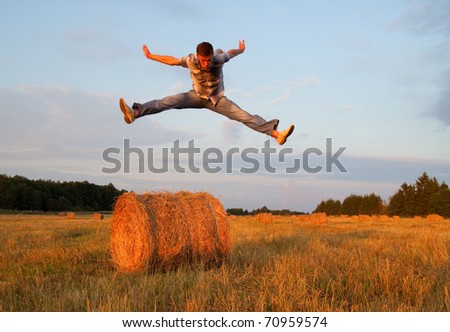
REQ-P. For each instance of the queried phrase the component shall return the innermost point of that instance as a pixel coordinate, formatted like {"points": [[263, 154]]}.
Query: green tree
{"points": [[425, 189], [351, 205], [330, 207], [409, 209], [440, 202], [373, 204], [397, 202]]}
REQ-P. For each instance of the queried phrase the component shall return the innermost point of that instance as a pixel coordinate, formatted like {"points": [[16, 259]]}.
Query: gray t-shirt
{"points": [[208, 84]]}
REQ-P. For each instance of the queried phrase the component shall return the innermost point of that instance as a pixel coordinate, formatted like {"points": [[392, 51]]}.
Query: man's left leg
{"points": [[231, 110]]}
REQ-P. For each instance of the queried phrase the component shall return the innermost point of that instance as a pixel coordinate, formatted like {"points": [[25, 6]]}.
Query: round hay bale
{"points": [[98, 216], [303, 217], [70, 215], [168, 229], [318, 218], [434, 217]]}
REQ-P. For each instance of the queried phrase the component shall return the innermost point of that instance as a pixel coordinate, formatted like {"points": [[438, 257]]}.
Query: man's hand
{"points": [[242, 45], [239, 50], [166, 59], [146, 51]]}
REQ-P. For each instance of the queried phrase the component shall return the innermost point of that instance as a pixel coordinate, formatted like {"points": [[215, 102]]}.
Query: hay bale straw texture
{"points": [[70, 215], [168, 229]]}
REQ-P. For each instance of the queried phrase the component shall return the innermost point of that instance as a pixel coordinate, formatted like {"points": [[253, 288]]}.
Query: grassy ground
{"points": [[49, 263]]}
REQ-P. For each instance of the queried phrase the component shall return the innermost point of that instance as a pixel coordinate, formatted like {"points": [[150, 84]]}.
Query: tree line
{"points": [[264, 209], [20, 193], [353, 205], [425, 196]]}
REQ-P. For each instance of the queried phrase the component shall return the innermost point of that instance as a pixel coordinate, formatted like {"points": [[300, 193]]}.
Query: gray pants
{"points": [[224, 106]]}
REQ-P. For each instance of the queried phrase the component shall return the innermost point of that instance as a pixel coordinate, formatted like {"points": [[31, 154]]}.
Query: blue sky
{"points": [[372, 76]]}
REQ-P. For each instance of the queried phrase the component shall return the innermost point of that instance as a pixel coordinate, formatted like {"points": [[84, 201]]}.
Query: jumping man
{"points": [[208, 91]]}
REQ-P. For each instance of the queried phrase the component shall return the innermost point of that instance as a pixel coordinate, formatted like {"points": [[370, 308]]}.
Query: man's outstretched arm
{"points": [[237, 51], [166, 59]]}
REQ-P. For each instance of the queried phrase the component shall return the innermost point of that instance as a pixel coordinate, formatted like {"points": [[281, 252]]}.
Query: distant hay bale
{"points": [[383, 218], [265, 218], [318, 218], [434, 217], [396, 218], [354, 218], [314, 218], [363, 217], [303, 217], [97, 216], [417, 218], [168, 229], [70, 215], [380, 218]]}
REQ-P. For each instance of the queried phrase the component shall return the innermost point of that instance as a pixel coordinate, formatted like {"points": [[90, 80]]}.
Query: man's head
{"points": [[205, 53]]}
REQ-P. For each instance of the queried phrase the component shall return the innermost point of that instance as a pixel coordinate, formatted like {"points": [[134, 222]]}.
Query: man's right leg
{"points": [[178, 101]]}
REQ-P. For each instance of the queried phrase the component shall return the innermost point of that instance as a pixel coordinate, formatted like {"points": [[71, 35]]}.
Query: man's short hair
{"points": [[205, 49]]}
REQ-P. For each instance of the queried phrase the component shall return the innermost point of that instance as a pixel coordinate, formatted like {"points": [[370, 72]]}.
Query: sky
{"points": [[365, 83]]}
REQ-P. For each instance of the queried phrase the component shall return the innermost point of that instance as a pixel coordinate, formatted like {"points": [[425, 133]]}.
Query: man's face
{"points": [[205, 61]]}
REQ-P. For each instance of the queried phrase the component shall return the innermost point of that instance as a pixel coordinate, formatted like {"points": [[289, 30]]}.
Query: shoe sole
{"points": [[124, 109], [291, 130]]}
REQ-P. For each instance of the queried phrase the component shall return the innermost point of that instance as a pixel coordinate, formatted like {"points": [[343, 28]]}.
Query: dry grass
{"points": [[264, 218], [51, 264]]}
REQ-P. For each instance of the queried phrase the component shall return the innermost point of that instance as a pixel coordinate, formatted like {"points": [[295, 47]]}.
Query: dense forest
{"points": [[425, 196], [20, 193], [421, 198]]}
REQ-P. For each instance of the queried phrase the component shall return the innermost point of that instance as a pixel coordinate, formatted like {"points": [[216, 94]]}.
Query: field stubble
{"points": [[54, 264]]}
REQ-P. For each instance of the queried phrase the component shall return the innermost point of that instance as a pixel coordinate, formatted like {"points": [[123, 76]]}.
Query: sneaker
{"points": [[128, 113], [283, 135]]}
